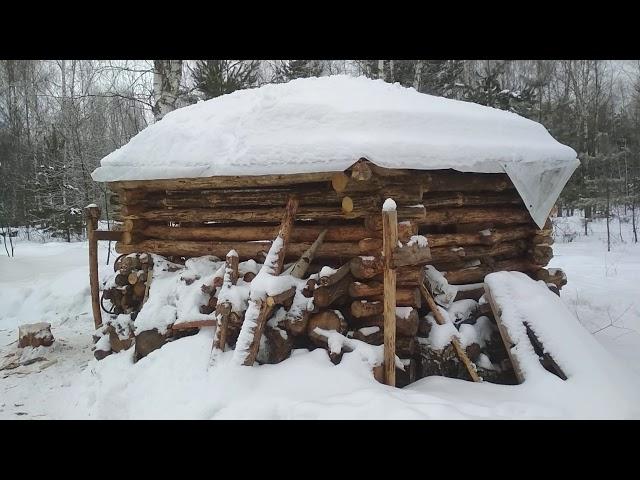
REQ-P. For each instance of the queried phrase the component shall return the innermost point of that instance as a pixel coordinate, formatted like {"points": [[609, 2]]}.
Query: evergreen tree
{"points": [[219, 77], [292, 69]]}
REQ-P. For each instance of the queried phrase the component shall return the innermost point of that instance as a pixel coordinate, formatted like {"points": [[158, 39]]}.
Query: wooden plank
{"points": [[504, 333], [92, 214], [390, 242]]}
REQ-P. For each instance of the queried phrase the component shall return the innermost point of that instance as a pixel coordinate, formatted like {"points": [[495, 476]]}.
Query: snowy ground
{"points": [[49, 282]]}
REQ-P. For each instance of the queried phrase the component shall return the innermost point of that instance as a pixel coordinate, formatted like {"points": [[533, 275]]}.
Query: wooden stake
{"points": [[462, 355], [92, 213], [390, 242], [265, 310]]}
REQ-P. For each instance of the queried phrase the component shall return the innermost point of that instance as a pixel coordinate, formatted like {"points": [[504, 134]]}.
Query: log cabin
{"points": [[312, 163]]}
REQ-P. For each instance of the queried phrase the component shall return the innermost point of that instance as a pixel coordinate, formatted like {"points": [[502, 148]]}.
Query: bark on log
{"points": [[231, 181], [325, 296], [410, 255], [477, 274], [459, 199], [361, 209], [455, 216], [328, 280], [364, 308]]}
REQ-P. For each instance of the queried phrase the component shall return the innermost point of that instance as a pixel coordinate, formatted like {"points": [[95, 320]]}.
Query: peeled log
{"points": [[243, 233], [455, 216]]}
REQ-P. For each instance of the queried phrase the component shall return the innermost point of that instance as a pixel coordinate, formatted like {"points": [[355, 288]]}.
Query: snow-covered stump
{"points": [[35, 335]]}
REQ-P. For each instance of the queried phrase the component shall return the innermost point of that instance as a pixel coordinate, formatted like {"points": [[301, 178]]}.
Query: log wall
{"points": [[474, 224]]}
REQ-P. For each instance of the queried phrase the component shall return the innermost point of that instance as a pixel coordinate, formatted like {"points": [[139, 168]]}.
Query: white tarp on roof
{"points": [[328, 123]]}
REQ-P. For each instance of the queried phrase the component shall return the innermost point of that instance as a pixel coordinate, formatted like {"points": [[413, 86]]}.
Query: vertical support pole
{"points": [[389, 243], [92, 214]]}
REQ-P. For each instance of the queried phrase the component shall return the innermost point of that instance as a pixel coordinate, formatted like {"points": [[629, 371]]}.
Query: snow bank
{"points": [[592, 372], [326, 124]]}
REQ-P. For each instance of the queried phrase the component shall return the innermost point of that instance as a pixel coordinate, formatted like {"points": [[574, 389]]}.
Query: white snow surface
{"points": [[326, 124], [584, 361], [49, 282]]}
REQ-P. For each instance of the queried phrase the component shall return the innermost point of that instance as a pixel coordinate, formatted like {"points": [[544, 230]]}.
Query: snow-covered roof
{"points": [[326, 124]]}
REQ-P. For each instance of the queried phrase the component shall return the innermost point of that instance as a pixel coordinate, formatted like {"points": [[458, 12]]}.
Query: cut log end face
{"points": [[35, 335]]}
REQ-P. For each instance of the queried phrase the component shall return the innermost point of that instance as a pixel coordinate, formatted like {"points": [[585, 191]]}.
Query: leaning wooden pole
{"points": [[389, 243], [462, 354], [92, 214]]}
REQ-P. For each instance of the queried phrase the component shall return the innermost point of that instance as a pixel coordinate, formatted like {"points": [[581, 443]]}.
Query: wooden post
{"points": [[92, 214], [390, 242]]}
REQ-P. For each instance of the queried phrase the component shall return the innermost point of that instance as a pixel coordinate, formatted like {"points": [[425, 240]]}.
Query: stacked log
{"points": [[127, 294], [474, 224]]}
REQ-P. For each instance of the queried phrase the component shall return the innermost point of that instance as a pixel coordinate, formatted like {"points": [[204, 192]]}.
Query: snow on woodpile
{"points": [[592, 372], [326, 124]]}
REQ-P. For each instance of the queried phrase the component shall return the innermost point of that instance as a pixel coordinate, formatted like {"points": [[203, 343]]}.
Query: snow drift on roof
{"points": [[326, 124]]}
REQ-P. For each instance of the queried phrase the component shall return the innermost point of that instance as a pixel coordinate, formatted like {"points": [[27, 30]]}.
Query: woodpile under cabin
{"points": [[328, 213]]}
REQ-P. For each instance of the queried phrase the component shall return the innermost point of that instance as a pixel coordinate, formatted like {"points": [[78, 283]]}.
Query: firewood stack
{"points": [[129, 288], [473, 224]]}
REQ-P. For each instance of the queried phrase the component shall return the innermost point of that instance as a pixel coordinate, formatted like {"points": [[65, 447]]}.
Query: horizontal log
{"points": [[241, 233], [405, 297], [406, 325], [364, 308], [414, 213], [246, 250], [247, 214], [453, 181], [455, 216], [477, 274], [410, 255], [485, 237], [193, 324], [461, 199], [231, 181]]}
